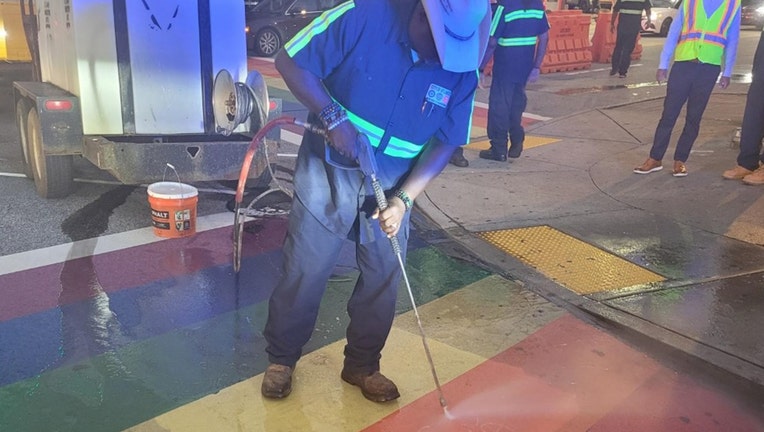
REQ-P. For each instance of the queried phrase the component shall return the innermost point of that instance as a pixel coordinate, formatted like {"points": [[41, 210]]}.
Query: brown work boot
{"points": [[374, 386], [736, 173], [650, 165], [277, 381], [756, 177]]}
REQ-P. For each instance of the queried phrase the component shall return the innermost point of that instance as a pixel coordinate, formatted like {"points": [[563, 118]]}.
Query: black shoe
{"points": [[612, 72], [623, 75], [490, 155], [515, 150], [459, 160]]}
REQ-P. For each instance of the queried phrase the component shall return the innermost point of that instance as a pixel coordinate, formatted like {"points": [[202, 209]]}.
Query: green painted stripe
{"points": [[318, 26], [134, 383]]}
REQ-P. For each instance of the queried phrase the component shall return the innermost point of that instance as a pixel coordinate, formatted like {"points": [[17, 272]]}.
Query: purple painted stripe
{"points": [[31, 291]]}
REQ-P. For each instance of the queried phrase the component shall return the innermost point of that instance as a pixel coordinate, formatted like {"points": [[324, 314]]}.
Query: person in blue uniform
{"points": [[519, 36], [404, 74], [750, 159], [628, 13]]}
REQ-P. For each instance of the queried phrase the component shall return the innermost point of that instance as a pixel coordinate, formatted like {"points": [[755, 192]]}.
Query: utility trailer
{"points": [[132, 85]]}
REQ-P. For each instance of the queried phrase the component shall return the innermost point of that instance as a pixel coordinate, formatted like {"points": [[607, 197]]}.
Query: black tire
{"points": [[665, 26], [22, 111], [53, 175], [267, 42]]}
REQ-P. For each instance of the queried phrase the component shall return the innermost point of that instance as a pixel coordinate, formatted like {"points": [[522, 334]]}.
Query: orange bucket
{"points": [[173, 209]]}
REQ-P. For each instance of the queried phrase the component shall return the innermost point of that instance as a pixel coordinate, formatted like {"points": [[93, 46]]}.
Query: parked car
{"points": [[662, 14], [273, 22], [752, 13]]}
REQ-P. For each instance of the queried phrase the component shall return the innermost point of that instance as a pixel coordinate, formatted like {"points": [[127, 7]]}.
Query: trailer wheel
{"points": [[22, 111], [53, 175]]}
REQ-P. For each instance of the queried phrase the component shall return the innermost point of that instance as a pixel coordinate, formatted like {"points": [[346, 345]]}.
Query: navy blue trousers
{"points": [[625, 41], [506, 103], [310, 254], [690, 83], [752, 131]]}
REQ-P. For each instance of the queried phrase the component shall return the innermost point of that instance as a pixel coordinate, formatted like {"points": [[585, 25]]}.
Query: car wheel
{"points": [[268, 42], [665, 26]]}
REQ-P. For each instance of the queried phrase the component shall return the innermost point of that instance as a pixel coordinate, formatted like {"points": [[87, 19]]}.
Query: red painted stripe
{"points": [[570, 376], [38, 289]]}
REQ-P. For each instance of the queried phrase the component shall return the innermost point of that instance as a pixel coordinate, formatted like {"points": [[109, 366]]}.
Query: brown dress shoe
{"points": [[277, 381], [651, 165], [736, 173], [680, 169], [374, 386], [756, 177]]}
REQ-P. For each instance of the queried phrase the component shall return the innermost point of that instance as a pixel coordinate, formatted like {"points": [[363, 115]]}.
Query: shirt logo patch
{"points": [[438, 95]]}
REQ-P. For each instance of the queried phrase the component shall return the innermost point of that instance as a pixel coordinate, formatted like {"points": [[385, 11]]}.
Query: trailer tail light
{"points": [[272, 105], [58, 105]]}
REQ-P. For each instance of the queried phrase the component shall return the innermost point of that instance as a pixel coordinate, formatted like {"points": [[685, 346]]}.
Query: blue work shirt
{"points": [[516, 27], [733, 36], [362, 53]]}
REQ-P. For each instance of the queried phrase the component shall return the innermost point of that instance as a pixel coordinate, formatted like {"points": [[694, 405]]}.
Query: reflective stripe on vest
{"points": [[517, 41], [704, 38], [632, 9]]}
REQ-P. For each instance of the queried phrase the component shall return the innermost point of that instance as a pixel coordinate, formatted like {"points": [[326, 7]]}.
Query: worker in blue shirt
{"points": [[628, 13], [703, 37], [404, 74], [519, 36]]}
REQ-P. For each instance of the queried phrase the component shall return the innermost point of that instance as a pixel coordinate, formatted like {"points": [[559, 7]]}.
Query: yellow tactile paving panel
{"points": [[530, 142], [578, 266]]}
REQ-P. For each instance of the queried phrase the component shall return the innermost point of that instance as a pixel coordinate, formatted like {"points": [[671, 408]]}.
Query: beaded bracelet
{"points": [[333, 115], [407, 202]]}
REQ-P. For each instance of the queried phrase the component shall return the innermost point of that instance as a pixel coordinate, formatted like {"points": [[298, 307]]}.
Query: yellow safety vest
{"points": [[704, 38]]}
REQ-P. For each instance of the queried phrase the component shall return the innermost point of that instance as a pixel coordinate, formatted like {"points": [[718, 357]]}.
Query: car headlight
{"points": [[653, 16], [760, 10]]}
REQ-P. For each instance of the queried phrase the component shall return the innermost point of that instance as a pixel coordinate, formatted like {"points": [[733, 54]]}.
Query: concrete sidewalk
{"points": [[680, 260]]}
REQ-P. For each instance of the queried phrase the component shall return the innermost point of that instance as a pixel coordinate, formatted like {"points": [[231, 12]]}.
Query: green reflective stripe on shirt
{"points": [[630, 12], [320, 24], [402, 149], [496, 19], [396, 147], [372, 132], [517, 41], [524, 14]]}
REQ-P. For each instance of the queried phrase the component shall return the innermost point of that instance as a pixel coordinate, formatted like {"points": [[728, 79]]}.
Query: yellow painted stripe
{"points": [[464, 329], [578, 266]]}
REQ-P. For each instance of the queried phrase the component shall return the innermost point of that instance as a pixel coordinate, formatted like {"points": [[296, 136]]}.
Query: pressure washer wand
{"points": [[369, 167]]}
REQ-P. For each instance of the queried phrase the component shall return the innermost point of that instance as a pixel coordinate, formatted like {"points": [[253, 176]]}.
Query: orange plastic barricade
{"points": [[569, 47], [603, 41]]}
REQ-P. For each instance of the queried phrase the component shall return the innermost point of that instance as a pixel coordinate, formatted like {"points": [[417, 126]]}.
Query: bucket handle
{"points": [[164, 175]]}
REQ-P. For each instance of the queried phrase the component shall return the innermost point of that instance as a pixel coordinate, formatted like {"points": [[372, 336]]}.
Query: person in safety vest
{"points": [[750, 159], [404, 74], [702, 39], [628, 13], [519, 36]]}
